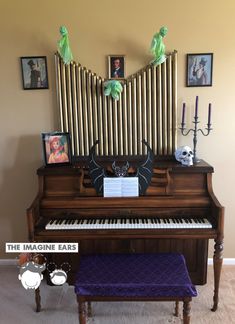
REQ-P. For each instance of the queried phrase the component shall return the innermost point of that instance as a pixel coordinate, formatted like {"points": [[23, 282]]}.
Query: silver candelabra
{"points": [[195, 130]]}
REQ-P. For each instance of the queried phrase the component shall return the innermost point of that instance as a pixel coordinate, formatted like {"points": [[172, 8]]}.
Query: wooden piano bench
{"points": [[133, 277]]}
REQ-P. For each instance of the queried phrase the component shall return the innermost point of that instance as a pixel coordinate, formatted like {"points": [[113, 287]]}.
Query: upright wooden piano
{"points": [[178, 213]]}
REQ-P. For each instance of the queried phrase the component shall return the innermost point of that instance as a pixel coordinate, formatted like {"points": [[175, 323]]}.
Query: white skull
{"points": [[184, 154]]}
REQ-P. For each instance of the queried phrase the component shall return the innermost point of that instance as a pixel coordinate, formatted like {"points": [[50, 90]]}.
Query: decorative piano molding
{"points": [[161, 182], [146, 110]]}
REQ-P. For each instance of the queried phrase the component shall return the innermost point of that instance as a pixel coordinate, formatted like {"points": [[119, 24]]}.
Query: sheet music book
{"points": [[121, 187]]}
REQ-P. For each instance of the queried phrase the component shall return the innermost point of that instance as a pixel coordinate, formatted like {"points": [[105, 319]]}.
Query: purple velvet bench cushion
{"points": [[134, 275]]}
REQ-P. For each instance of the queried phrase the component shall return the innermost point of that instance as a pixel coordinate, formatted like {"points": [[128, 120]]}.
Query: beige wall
{"points": [[99, 28]]}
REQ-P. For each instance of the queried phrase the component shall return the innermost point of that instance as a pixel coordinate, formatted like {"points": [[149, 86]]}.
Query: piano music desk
{"points": [[134, 277]]}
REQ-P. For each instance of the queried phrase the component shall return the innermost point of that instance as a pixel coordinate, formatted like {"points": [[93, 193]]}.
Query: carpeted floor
{"points": [[59, 304]]}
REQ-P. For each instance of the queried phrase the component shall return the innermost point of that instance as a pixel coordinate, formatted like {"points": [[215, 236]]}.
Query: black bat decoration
{"points": [[144, 171], [97, 172]]}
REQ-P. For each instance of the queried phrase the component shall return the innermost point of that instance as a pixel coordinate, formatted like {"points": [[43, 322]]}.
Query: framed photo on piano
{"points": [[57, 148]]}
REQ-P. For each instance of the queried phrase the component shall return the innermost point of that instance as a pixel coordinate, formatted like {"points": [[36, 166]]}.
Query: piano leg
{"points": [[38, 300], [217, 265]]}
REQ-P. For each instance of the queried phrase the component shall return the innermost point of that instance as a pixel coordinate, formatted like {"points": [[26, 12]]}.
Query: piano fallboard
{"points": [[126, 203]]}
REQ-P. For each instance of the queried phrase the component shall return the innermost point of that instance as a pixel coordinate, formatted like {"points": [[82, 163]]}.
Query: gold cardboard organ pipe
{"points": [[146, 110]]}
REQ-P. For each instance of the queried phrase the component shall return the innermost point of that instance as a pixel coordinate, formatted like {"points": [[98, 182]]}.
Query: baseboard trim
{"points": [[14, 262], [8, 262], [226, 261]]}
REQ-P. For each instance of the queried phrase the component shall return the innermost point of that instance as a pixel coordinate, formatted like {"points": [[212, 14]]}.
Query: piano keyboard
{"points": [[127, 223]]}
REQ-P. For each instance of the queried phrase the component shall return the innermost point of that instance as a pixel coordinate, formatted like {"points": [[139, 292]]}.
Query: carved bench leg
{"points": [[38, 300], [176, 308], [81, 311], [89, 309], [186, 311]]}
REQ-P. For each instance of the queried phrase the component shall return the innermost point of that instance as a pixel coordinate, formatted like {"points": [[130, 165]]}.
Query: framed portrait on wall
{"points": [[56, 148], [199, 70], [116, 66], [34, 72]]}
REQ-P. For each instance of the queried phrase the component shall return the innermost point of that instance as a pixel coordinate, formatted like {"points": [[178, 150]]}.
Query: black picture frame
{"points": [[113, 73], [199, 70], [34, 72], [57, 148]]}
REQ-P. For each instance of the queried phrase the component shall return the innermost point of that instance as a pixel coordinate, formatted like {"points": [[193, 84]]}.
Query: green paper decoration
{"points": [[157, 47], [113, 88], [63, 46]]}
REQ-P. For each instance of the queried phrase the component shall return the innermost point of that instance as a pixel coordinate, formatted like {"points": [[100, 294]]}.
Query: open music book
{"points": [[121, 187]]}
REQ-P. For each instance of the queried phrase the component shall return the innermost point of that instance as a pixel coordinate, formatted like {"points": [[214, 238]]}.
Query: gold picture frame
{"points": [[57, 148]]}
